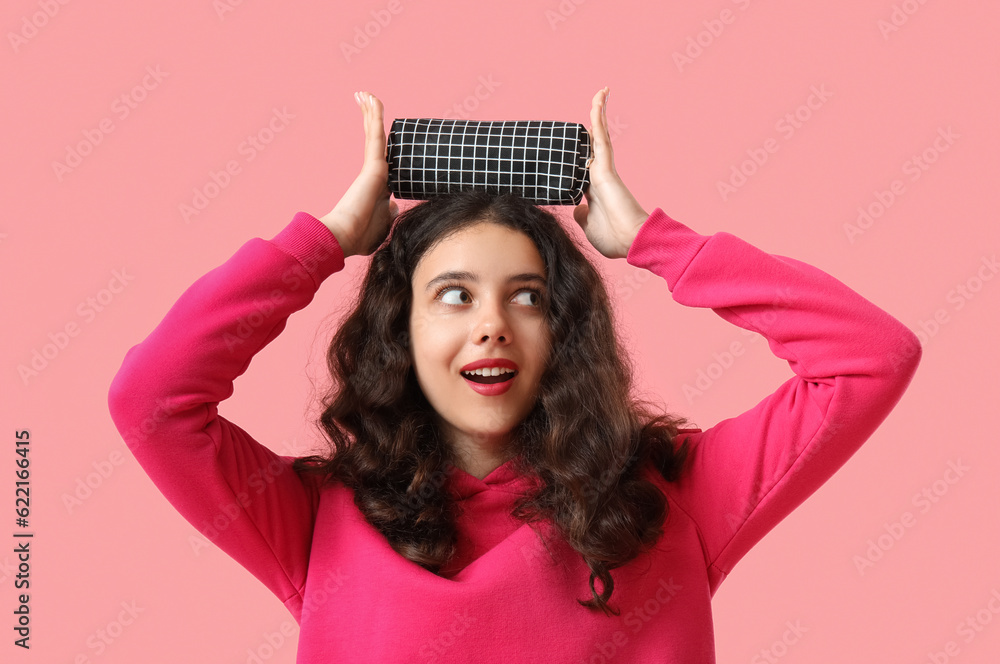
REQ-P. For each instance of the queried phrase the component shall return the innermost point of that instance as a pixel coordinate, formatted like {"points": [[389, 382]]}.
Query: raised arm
{"points": [[852, 362], [164, 399]]}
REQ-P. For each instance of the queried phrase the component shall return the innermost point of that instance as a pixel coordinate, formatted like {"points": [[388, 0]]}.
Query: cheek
{"points": [[433, 346], [418, 335], [426, 355], [543, 343]]}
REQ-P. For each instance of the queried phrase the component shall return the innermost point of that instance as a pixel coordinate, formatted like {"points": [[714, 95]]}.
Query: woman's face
{"points": [[478, 295]]}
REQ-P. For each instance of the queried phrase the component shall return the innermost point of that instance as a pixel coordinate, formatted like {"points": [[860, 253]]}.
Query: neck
{"points": [[479, 458], [483, 468]]}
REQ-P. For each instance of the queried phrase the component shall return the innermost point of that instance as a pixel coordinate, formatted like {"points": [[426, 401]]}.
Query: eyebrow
{"points": [[462, 275]]}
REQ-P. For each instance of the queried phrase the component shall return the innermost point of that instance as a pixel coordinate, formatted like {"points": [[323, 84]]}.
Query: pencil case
{"points": [[544, 161]]}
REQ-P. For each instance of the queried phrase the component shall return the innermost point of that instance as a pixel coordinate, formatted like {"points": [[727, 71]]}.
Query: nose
{"points": [[492, 323]]}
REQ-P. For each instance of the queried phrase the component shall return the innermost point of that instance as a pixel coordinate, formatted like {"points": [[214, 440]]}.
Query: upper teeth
{"points": [[492, 371]]}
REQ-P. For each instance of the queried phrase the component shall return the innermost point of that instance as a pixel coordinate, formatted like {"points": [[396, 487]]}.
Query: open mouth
{"points": [[488, 380]]}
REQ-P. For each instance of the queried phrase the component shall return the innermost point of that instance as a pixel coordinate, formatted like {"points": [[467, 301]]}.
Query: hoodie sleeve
{"points": [[164, 401], [852, 362]]}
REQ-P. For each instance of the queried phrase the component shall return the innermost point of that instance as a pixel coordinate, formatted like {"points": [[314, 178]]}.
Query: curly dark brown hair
{"points": [[583, 443]]}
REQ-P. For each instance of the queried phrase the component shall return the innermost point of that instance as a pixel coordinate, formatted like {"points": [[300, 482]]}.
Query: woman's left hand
{"points": [[612, 216]]}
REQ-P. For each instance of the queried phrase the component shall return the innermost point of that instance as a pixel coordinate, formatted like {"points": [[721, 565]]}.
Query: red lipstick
{"points": [[490, 362], [491, 389]]}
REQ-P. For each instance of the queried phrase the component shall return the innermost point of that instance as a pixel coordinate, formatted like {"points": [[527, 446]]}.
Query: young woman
{"points": [[492, 491]]}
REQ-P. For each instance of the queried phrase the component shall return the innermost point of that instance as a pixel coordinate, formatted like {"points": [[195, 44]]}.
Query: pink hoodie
{"points": [[505, 597]]}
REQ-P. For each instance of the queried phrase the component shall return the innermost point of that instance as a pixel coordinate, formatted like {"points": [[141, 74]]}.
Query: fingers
{"points": [[598, 113], [374, 126], [362, 102], [599, 126], [595, 115]]}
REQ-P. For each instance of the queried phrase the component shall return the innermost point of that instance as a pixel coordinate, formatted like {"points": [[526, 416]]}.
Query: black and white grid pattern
{"points": [[544, 161]]}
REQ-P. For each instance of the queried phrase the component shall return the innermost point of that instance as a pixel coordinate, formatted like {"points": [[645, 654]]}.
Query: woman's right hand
{"points": [[611, 217], [363, 216]]}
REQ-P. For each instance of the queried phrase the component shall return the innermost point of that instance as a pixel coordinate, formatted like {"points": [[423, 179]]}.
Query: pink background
{"points": [[677, 131]]}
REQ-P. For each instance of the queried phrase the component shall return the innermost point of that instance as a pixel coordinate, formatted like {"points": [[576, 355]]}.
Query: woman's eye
{"points": [[530, 298], [455, 300], [458, 296]]}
